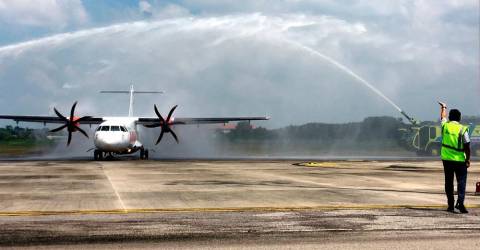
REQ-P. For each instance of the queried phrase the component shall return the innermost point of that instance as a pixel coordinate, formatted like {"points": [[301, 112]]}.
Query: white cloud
{"points": [[145, 7], [171, 11], [55, 14], [69, 86]]}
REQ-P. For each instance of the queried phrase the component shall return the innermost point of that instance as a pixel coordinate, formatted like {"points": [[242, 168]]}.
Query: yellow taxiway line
{"points": [[226, 209]]}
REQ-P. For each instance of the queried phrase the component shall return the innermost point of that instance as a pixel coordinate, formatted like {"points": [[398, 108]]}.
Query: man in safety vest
{"points": [[455, 156]]}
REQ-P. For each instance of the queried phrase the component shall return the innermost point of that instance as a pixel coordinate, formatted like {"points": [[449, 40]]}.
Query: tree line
{"points": [[370, 129]]}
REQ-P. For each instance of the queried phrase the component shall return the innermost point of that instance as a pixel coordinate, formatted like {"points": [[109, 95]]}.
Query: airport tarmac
{"points": [[234, 204]]}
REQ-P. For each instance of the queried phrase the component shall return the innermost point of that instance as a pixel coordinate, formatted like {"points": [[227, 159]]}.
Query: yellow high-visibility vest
{"points": [[452, 141]]}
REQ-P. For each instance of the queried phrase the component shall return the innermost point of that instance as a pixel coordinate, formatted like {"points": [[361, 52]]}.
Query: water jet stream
{"points": [[344, 69]]}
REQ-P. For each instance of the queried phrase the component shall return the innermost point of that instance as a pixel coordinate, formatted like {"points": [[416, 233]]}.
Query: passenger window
{"points": [[123, 129], [115, 128], [105, 128]]}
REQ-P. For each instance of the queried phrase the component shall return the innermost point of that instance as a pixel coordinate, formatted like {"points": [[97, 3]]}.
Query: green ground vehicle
{"points": [[426, 138]]}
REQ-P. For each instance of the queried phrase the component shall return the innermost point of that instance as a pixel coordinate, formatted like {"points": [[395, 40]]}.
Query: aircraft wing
{"points": [[48, 119], [213, 120]]}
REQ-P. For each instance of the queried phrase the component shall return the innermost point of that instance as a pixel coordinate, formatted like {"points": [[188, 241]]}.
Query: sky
{"points": [[297, 61]]}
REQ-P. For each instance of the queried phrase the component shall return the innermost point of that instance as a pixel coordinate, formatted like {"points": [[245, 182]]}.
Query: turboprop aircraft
{"points": [[119, 135]]}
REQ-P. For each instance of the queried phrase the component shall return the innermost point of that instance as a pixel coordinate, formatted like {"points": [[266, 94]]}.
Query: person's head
{"points": [[454, 115]]}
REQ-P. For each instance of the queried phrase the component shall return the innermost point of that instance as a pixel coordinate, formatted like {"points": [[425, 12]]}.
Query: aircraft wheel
{"points": [[434, 150], [146, 155], [142, 154], [98, 155]]}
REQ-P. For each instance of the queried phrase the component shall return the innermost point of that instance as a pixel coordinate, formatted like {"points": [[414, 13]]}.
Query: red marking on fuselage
{"points": [[133, 137]]}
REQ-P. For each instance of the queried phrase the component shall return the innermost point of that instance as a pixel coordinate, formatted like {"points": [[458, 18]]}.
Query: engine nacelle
{"points": [[75, 118]]}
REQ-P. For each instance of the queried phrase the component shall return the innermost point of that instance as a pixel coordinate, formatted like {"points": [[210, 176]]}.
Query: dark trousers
{"points": [[460, 170]]}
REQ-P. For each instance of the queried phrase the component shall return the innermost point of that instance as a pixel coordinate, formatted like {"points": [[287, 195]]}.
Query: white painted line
{"points": [[114, 190]]}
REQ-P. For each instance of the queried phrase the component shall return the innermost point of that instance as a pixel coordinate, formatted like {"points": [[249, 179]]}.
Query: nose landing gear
{"points": [[144, 154], [97, 155]]}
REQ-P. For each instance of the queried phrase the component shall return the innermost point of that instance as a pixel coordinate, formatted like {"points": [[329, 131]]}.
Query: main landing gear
{"points": [[144, 154], [97, 155]]}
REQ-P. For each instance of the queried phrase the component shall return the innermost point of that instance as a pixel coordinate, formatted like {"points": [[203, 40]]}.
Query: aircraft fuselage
{"points": [[117, 135]]}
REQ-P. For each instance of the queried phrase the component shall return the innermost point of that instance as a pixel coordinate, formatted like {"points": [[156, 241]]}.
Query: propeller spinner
{"points": [[164, 124], [72, 123]]}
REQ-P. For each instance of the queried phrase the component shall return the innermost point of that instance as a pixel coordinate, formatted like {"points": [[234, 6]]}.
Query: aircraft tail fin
{"points": [[132, 92]]}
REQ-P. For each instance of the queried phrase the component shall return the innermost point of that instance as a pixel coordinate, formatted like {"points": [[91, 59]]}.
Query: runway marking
{"points": [[115, 190], [226, 209], [317, 164]]}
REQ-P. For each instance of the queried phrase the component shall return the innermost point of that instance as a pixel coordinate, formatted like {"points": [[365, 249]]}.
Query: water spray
{"points": [[184, 24], [351, 73]]}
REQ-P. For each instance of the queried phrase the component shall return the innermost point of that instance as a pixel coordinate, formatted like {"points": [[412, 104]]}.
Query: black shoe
{"points": [[450, 209], [461, 208]]}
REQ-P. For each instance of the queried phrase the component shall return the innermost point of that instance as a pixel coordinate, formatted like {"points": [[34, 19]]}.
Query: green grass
{"points": [[14, 147]]}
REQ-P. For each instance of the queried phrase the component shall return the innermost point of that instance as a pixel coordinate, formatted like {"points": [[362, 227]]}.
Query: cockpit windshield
{"points": [[112, 128], [115, 128]]}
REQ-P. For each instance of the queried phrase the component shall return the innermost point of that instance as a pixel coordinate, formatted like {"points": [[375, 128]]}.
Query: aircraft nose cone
{"points": [[109, 141]]}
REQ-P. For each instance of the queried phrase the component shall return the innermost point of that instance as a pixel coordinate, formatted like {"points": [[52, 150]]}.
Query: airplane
{"points": [[119, 135]]}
